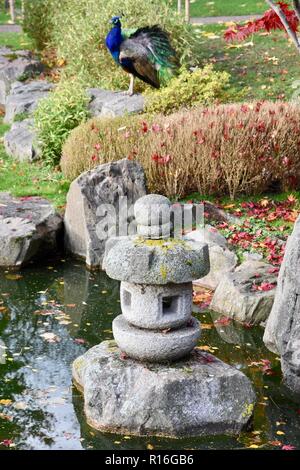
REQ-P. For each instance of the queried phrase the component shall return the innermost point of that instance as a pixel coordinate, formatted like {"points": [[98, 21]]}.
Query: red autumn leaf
{"points": [[123, 356], [263, 287], [224, 321], [268, 22], [161, 159], [288, 447], [6, 442], [144, 127], [275, 443], [273, 270]]}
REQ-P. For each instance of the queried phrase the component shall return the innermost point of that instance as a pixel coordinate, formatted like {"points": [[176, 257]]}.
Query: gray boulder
{"points": [[112, 104], [282, 334], [24, 98], [222, 260], [28, 227], [198, 396], [237, 297], [13, 66], [100, 205], [20, 141]]}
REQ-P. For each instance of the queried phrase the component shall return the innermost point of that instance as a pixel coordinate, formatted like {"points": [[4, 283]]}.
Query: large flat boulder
{"points": [[222, 260], [200, 395], [21, 141], [95, 196], [282, 334], [247, 294], [113, 103], [24, 97], [28, 227], [15, 65]]}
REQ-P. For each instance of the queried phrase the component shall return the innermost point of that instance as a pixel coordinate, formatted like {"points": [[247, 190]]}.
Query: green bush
{"points": [[59, 113], [82, 25], [38, 20], [203, 86]]}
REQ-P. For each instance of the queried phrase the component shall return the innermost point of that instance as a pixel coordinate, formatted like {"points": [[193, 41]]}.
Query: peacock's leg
{"points": [[131, 86]]}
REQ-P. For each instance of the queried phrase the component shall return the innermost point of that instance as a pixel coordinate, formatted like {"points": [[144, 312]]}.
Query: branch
{"points": [[275, 7]]}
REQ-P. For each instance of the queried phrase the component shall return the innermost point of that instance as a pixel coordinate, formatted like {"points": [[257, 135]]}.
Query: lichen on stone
{"points": [[167, 244]]}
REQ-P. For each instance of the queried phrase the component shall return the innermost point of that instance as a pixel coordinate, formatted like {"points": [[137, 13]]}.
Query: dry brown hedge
{"points": [[221, 150]]}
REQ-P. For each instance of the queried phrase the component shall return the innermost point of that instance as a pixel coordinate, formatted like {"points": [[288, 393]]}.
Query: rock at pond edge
{"points": [[198, 396]]}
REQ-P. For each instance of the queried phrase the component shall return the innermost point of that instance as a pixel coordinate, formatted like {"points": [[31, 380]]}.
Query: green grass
{"points": [[15, 41], [227, 7], [31, 179], [264, 67]]}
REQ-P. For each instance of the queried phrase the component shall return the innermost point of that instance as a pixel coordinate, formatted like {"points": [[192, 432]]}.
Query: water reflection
{"points": [[51, 315]]}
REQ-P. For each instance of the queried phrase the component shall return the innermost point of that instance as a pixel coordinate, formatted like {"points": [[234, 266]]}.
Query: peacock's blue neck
{"points": [[114, 40]]}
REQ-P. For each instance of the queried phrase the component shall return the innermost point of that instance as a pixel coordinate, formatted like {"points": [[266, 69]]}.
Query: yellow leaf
{"points": [[13, 277], [5, 402], [205, 348], [253, 446], [150, 447], [280, 433]]}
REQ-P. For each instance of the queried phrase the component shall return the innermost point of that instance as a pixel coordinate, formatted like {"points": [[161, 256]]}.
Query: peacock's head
{"points": [[116, 20]]}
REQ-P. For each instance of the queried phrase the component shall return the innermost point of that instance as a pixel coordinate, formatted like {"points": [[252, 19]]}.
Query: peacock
{"points": [[145, 53]]}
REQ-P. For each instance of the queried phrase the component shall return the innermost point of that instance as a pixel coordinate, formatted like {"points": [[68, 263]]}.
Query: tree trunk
{"points": [[12, 10], [179, 6], [296, 4], [293, 36], [187, 10]]}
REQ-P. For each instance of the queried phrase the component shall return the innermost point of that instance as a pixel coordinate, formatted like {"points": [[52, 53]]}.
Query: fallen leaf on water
{"points": [[50, 337], [224, 321], [6, 443], [150, 447], [280, 433], [5, 417], [205, 348], [20, 405], [5, 402], [288, 447], [275, 443], [79, 341], [207, 326], [14, 277]]}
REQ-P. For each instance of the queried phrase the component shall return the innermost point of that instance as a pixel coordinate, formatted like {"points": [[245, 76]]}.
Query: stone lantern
{"points": [[152, 380]]}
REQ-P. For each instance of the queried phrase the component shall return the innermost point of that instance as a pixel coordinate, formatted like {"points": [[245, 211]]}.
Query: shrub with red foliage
{"points": [[220, 150], [268, 22]]}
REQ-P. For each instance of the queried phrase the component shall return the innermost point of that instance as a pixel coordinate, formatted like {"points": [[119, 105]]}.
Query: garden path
{"points": [[222, 19]]}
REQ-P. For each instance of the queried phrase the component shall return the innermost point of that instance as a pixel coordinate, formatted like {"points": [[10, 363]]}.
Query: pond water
{"points": [[52, 314]]}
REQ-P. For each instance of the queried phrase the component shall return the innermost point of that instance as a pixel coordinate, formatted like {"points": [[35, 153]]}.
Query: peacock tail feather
{"points": [[160, 52]]}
